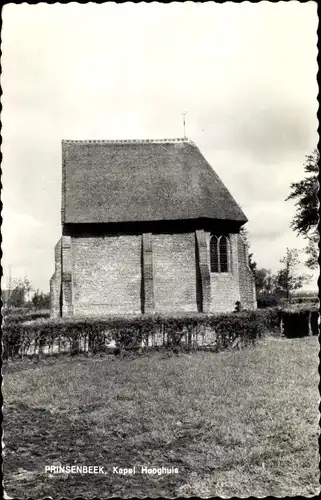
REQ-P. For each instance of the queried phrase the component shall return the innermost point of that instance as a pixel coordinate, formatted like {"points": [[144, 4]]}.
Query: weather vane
{"points": [[184, 124]]}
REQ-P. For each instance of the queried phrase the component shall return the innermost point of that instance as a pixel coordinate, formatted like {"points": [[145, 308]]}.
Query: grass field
{"points": [[234, 424]]}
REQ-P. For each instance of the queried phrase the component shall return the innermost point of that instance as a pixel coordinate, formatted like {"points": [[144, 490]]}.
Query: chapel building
{"points": [[147, 227]]}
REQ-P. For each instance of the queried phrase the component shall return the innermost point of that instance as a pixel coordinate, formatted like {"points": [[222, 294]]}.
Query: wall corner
{"points": [[66, 276], [203, 271], [55, 284]]}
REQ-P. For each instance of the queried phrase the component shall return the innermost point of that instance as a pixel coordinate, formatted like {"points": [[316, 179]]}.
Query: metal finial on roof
{"points": [[184, 124]]}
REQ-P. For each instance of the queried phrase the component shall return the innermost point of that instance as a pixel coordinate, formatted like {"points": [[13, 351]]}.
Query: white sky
{"points": [[246, 74]]}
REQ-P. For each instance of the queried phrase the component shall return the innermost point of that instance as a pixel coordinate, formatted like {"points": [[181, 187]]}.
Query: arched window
{"points": [[219, 254], [224, 254], [214, 254]]}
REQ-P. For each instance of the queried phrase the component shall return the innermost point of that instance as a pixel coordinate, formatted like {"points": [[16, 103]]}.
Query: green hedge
{"points": [[181, 331]]}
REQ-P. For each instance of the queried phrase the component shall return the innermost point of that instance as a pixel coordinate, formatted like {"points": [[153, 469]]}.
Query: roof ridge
{"points": [[126, 141]]}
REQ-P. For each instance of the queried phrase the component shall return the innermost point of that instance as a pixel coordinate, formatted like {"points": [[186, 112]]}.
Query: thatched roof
{"points": [[124, 181]]}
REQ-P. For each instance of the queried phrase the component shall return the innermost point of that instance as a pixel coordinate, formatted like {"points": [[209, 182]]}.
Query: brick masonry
{"points": [[117, 274], [106, 274], [246, 278], [67, 276], [148, 303], [203, 277], [225, 290], [174, 272], [55, 284]]}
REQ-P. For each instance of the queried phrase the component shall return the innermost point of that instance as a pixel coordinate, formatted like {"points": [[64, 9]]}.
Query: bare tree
{"points": [[287, 278], [17, 290]]}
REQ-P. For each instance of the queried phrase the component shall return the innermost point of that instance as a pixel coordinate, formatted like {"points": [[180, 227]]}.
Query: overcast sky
{"points": [[245, 73]]}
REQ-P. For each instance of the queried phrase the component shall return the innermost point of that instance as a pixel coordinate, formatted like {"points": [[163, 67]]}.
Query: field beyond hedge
{"points": [[237, 423]]}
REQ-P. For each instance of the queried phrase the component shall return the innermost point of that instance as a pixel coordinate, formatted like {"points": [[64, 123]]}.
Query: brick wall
{"points": [[66, 276], [203, 278], [55, 284], [174, 272], [246, 278], [225, 292], [106, 274], [224, 286], [148, 304]]}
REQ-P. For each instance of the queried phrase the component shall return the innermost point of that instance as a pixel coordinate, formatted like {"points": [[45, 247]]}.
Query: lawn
{"points": [[236, 423]]}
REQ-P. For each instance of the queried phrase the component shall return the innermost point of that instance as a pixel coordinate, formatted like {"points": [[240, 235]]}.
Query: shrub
{"points": [[296, 324], [315, 322], [269, 319], [19, 316], [268, 300], [300, 321], [180, 331], [305, 299]]}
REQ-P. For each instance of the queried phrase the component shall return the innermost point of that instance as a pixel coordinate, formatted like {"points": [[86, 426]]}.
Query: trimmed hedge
{"points": [[34, 332], [299, 320], [300, 323], [184, 332]]}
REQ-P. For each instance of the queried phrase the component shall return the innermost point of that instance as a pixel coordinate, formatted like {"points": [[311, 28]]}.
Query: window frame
{"points": [[218, 253]]}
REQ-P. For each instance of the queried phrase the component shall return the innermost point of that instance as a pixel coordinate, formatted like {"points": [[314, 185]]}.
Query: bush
{"points": [[35, 332], [300, 321], [19, 315], [305, 299], [270, 318], [175, 332], [315, 322], [296, 324], [268, 300]]}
